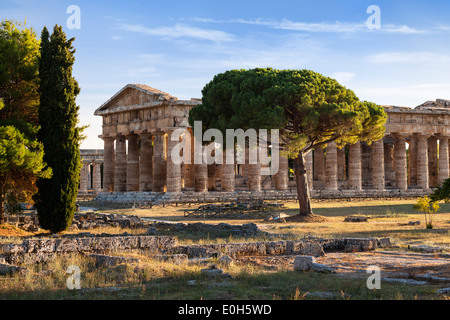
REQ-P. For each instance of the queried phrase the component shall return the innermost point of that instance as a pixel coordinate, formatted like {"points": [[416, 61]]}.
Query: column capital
{"points": [[145, 134], [107, 138], [422, 135], [400, 135], [442, 135]]}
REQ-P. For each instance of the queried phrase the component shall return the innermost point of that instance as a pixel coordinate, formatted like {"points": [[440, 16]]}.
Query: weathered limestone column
{"points": [[331, 167], [108, 164], [401, 181], [433, 161], [282, 176], [319, 164], [389, 173], [422, 162], [443, 159], [309, 169], [120, 170], [201, 170], [146, 163], [354, 167], [377, 155], [173, 178], [84, 175], [341, 164], [211, 168], [254, 174], [96, 176], [228, 175], [412, 161], [189, 160], [159, 162], [133, 162]]}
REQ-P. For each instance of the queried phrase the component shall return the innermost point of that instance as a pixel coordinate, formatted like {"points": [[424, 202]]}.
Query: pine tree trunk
{"points": [[2, 219], [304, 199]]}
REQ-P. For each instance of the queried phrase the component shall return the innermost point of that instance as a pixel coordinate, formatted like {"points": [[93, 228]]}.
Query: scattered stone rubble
{"points": [[356, 219], [40, 250]]}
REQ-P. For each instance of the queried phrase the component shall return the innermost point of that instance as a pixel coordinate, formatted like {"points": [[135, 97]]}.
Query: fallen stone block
{"points": [[303, 263], [356, 219], [308, 263], [11, 269], [174, 258], [225, 260], [108, 261], [13, 248], [318, 267], [384, 242], [214, 272], [312, 249], [443, 291]]}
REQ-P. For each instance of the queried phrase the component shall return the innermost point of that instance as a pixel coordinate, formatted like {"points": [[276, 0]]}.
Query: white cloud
{"points": [[407, 57], [343, 77], [326, 27], [179, 31]]}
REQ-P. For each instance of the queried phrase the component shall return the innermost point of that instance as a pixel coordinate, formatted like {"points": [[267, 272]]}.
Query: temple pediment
{"points": [[134, 96]]}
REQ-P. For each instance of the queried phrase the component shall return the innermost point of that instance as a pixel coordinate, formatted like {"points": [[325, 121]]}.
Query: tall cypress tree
{"points": [[58, 116]]}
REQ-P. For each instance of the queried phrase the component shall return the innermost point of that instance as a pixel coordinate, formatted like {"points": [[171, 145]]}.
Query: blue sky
{"points": [[178, 46]]}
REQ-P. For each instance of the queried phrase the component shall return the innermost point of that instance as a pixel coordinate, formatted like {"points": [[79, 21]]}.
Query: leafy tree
{"points": [[21, 156], [21, 161], [19, 81], [442, 192], [429, 209], [55, 200], [309, 109]]}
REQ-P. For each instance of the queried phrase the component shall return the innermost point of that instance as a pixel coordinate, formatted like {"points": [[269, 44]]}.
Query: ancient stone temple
{"points": [[91, 170], [138, 121]]}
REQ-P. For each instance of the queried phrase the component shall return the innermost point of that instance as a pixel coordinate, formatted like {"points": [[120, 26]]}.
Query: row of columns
{"points": [[425, 167], [85, 181], [145, 164]]}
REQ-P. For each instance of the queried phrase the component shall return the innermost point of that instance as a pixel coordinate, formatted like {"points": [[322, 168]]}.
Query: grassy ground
{"points": [[152, 279], [388, 218]]}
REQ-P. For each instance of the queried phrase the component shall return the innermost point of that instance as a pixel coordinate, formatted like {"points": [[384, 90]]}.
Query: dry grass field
{"points": [[251, 278]]}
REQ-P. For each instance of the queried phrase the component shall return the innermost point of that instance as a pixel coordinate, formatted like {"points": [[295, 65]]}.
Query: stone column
{"points": [[133, 163], [331, 167], [433, 161], [120, 170], [400, 162], [413, 161], [319, 164], [254, 173], [422, 162], [354, 167], [159, 162], [96, 177], [341, 164], [201, 170], [173, 167], [189, 160], [108, 164], [389, 163], [443, 159], [84, 175], [309, 169], [282, 176], [211, 168], [146, 163], [377, 156], [228, 175]]}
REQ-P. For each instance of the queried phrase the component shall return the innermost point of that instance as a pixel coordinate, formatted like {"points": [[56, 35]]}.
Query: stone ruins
{"points": [[138, 120]]}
